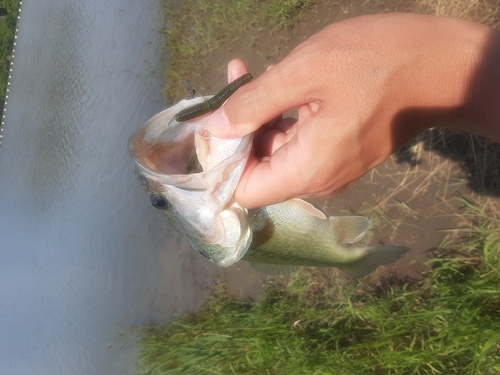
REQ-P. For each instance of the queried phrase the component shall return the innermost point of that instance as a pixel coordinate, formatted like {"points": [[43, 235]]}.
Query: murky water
{"points": [[82, 255]]}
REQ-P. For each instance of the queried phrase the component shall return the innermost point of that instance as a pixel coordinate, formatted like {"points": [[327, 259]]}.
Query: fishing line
{"points": [[192, 90]]}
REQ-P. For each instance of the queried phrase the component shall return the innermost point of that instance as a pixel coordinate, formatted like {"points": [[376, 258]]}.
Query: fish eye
{"points": [[159, 202]]}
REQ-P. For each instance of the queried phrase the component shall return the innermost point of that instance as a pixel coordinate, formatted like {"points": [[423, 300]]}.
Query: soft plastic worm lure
{"points": [[214, 102]]}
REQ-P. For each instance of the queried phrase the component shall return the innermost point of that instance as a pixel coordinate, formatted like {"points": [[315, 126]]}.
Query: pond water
{"points": [[83, 257]]}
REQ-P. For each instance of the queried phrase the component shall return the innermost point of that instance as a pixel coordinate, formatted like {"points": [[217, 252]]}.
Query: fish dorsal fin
{"points": [[350, 228], [274, 269], [308, 207]]}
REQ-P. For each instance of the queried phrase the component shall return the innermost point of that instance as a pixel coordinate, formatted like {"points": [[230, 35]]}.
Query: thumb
{"points": [[255, 103]]}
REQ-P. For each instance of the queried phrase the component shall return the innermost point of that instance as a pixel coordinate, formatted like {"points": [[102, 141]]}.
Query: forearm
{"points": [[449, 76]]}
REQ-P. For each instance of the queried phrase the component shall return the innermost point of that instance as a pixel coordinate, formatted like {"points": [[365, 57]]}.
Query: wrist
{"points": [[452, 74]]}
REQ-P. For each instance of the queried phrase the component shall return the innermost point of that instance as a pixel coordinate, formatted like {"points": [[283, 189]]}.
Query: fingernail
{"points": [[218, 123]]}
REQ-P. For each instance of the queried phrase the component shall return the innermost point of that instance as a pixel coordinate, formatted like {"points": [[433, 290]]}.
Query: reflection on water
{"points": [[83, 256], [62, 104]]}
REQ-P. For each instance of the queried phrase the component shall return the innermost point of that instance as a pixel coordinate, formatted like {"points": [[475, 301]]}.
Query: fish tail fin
{"points": [[375, 256]]}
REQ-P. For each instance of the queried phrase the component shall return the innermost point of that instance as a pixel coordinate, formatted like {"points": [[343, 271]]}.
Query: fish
{"points": [[190, 177]]}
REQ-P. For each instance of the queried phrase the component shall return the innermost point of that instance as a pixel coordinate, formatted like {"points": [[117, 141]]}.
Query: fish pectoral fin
{"points": [[350, 228], [274, 269], [375, 256]]}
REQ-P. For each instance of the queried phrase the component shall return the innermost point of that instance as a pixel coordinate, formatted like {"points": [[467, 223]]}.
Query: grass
{"points": [[482, 11], [446, 323], [196, 30], [8, 17]]}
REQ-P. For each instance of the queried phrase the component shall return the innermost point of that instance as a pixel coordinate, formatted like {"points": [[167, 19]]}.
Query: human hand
{"points": [[363, 88]]}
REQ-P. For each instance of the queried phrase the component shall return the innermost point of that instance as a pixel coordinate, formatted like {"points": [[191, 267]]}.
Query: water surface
{"points": [[82, 255]]}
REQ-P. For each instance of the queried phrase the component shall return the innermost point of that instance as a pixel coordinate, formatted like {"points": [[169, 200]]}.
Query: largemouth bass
{"points": [[190, 177]]}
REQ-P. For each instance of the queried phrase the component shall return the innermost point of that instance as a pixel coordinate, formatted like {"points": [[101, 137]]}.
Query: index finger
{"points": [[257, 102]]}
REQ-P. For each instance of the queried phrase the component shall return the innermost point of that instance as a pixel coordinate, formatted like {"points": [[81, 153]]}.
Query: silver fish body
{"points": [[190, 177]]}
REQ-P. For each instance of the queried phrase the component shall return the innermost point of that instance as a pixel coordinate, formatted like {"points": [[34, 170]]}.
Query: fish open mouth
{"points": [[164, 147], [169, 158]]}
